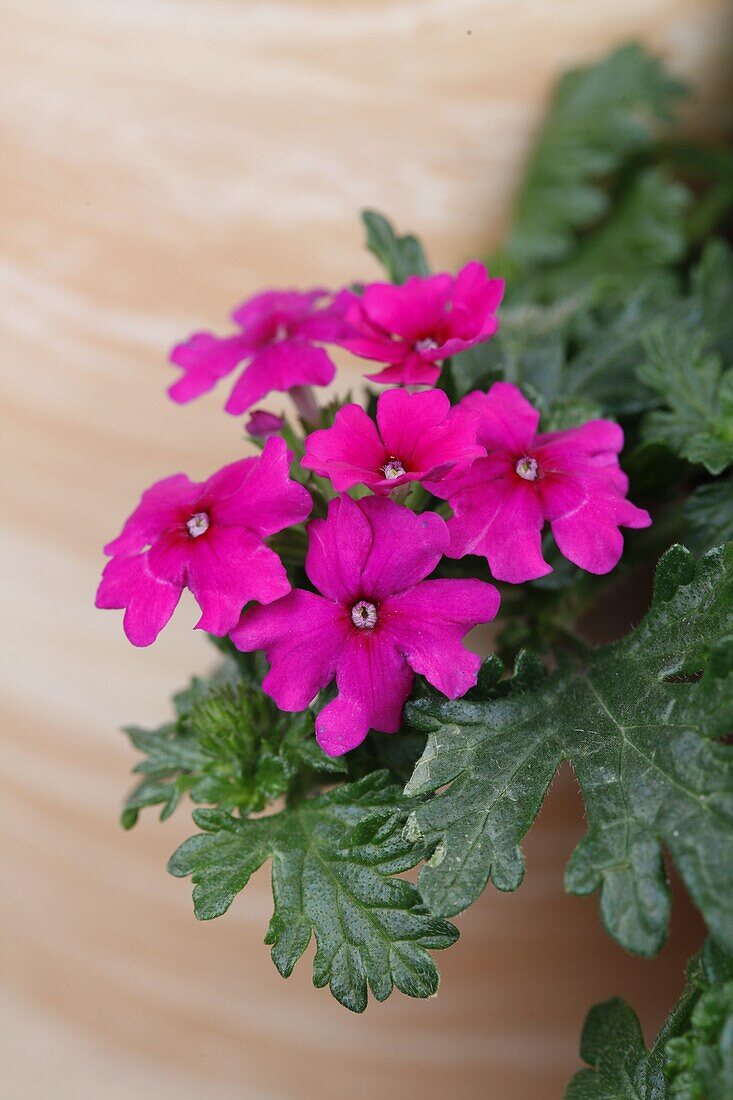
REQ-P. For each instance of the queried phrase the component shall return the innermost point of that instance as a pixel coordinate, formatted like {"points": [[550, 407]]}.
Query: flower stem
{"points": [[305, 402]]}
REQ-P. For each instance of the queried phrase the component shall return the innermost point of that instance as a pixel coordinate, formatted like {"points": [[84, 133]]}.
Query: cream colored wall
{"points": [[161, 160]]}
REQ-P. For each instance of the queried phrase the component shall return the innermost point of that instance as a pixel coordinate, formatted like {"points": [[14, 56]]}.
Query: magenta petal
{"points": [[428, 622], [338, 548], [411, 310], [411, 371], [303, 636], [206, 358], [349, 453], [158, 508], [585, 514], [405, 546], [227, 568], [374, 681], [404, 418], [278, 306], [502, 521], [507, 421], [258, 493], [149, 601], [280, 366]]}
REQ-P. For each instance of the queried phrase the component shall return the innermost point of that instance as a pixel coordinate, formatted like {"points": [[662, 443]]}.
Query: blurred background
{"points": [[161, 160]]}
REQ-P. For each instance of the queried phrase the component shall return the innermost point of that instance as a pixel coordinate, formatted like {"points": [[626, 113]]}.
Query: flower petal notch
{"points": [[414, 327], [373, 623], [570, 479], [279, 331], [417, 437], [207, 537]]}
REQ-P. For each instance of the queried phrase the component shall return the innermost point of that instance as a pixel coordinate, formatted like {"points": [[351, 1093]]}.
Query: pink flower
{"points": [[418, 437], [571, 479], [376, 623], [276, 341], [415, 326], [206, 537], [263, 424]]}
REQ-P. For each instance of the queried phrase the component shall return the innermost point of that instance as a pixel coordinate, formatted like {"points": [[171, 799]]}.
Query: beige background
{"points": [[162, 159]]}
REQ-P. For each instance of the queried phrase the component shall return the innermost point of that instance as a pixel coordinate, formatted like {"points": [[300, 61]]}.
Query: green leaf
{"points": [[697, 422], [332, 861], [598, 118], [230, 747], [708, 514], [400, 256], [641, 737], [645, 233], [692, 1056]]}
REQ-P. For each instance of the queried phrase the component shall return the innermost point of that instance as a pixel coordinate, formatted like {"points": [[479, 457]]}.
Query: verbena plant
{"points": [[348, 734]]}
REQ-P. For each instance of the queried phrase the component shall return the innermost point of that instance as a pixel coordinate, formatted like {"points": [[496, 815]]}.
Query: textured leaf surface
{"points": [[697, 422], [598, 117], [709, 515], [230, 746], [691, 1056], [641, 737], [333, 858]]}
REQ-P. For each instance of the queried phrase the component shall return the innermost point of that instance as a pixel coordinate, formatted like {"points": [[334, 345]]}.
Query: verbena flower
{"points": [[278, 328], [375, 624], [570, 479], [263, 424], [417, 437], [415, 326], [207, 537]]}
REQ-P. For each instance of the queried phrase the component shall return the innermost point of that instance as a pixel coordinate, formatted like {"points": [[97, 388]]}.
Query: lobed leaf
{"points": [[643, 739], [333, 858]]}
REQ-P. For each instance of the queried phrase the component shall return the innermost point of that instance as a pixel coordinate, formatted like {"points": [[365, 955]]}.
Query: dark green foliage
{"points": [[640, 735], [697, 420], [708, 515], [400, 256], [332, 861], [692, 1056], [598, 118], [230, 747]]}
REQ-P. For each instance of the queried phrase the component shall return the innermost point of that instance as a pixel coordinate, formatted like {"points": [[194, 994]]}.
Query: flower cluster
{"points": [[373, 617]]}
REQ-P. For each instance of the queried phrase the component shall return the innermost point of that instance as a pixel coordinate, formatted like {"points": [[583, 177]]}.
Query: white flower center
{"points": [[198, 524], [527, 468], [427, 344], [393, 469], [364, 615]]}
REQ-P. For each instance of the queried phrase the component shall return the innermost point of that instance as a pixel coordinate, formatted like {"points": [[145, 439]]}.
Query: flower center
{"points": [[393, 469], [527, 468], [198, 524], [427, 344], [364, 615]]}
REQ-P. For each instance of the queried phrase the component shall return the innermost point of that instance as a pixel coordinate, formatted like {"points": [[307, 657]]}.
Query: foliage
{"points": [[400, 256], [641, 736], [332, 860], [692, 1056], [697, 421], [230, 746]]}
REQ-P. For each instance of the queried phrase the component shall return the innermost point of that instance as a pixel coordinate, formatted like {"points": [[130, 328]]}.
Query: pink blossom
{"points": [[374, 625], [570, 478], [277, 330], [415, 326], [208, 537], [263, 424], [417, 437]]}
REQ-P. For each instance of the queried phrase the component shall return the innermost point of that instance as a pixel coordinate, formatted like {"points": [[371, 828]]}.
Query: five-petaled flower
{"points": [[417, 437], [570, 479], [414, 327], [375, 624], [278, 328], [207, 537]]}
